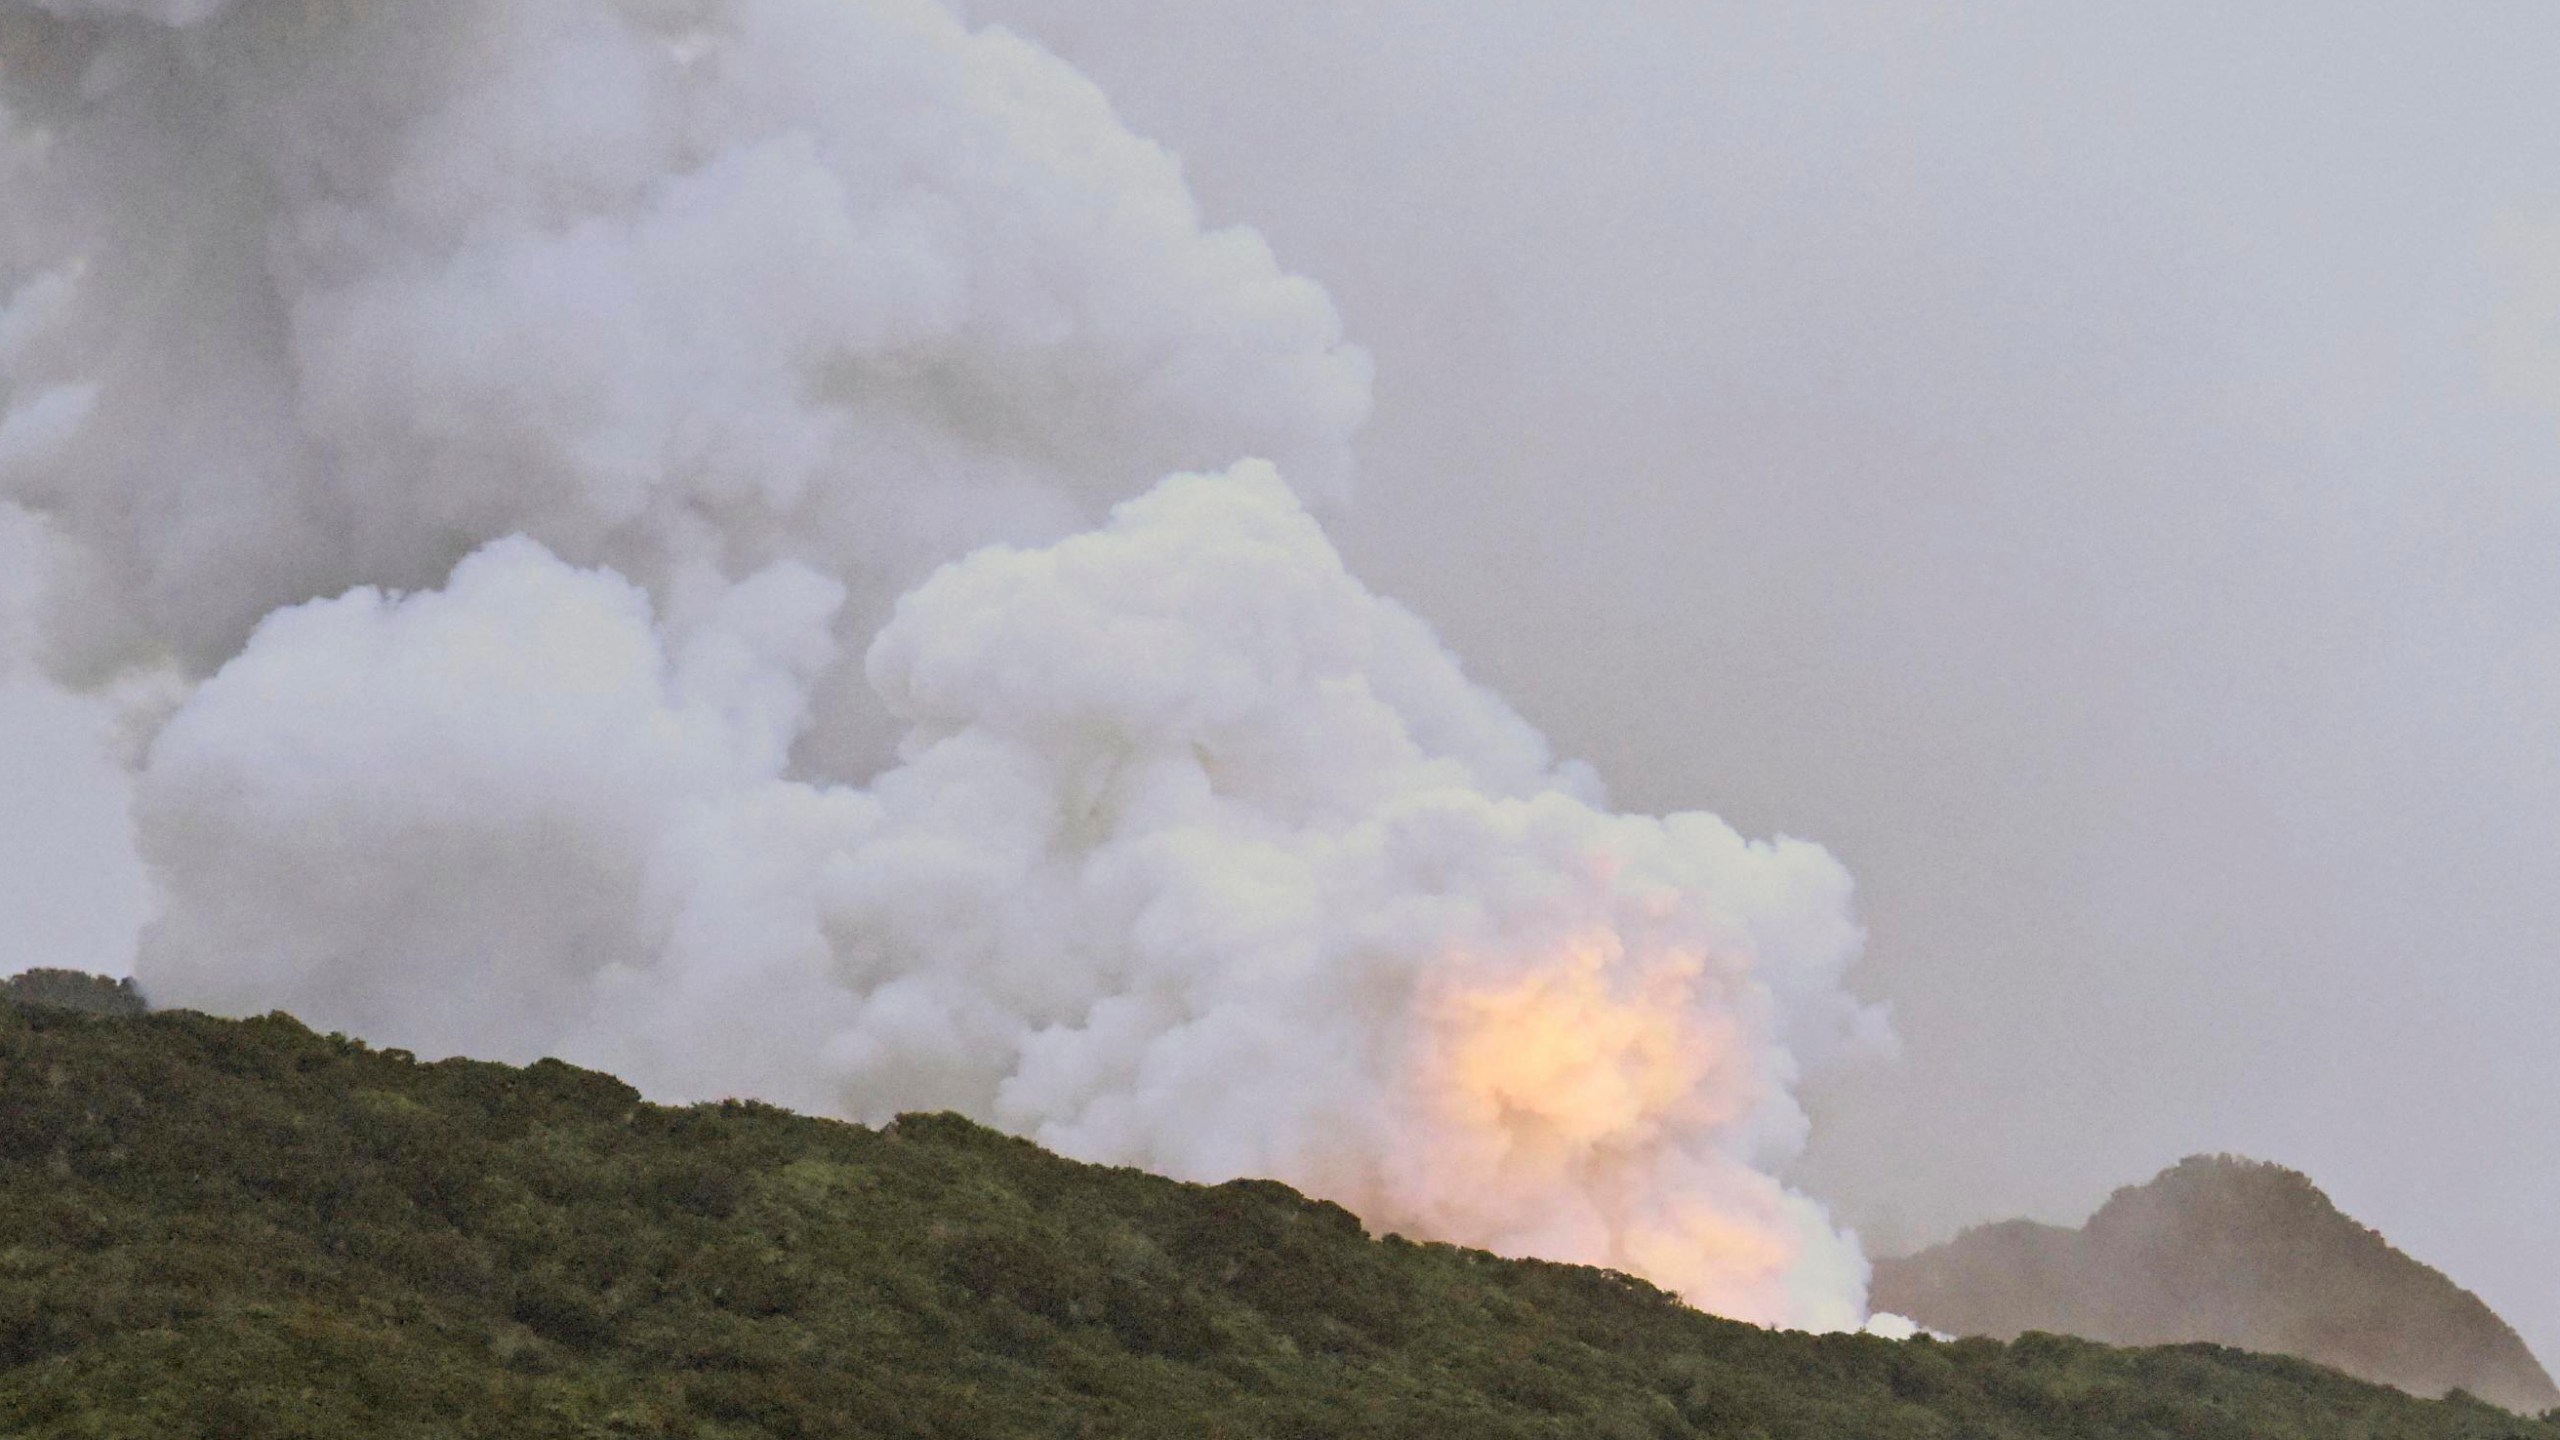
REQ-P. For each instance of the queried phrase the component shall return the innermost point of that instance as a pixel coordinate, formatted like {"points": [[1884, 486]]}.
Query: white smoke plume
{"points": [[620, 490]]}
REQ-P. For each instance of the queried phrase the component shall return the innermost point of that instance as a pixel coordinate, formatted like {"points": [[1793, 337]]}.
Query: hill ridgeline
{"points": [[242, 1230], [2232, 1251]]}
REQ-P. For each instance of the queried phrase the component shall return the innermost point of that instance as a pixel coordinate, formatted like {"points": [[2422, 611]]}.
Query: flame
{"points": [[1572, 1094], [1561, 1059]]}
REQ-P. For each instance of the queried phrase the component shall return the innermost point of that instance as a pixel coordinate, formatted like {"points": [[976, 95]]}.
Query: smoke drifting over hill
{"points": [[607, 510]]}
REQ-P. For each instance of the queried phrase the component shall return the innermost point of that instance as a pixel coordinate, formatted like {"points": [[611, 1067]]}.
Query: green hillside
{"points": [[213, 1228]]}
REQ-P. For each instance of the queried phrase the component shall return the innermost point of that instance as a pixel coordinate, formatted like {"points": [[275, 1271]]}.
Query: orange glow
{"points": [[1570, 1102], [1559, 1057]]}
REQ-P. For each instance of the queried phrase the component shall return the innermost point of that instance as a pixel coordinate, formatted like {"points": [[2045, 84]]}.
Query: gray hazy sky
{"points": [[2092, 467]]}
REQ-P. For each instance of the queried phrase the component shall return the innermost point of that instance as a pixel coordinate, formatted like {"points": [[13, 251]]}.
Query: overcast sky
{"points": [[2091, 467], [2092, 470]]}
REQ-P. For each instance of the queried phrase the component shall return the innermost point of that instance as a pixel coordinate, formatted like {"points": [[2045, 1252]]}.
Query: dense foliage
{"points": [[244, 1229]]}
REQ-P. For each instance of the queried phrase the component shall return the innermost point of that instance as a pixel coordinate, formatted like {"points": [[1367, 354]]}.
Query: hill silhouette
{"points": [[242, 1230], [2233, 1251]]}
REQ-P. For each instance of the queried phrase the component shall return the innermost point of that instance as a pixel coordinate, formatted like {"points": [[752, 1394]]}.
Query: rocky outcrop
{"points": [[2232, 1251]]}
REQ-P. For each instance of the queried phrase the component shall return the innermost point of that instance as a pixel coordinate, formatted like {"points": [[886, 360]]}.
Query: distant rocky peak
{"points": [[2233, 1251]]}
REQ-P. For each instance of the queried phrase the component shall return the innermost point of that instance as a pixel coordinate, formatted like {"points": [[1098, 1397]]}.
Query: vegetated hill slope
{"points": [[74, 990], [2233, 1251], [243, 1229]]}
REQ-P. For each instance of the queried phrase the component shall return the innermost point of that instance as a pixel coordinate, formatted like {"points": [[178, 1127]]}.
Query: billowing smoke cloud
{"points": [[620, 490], [307, 300]]}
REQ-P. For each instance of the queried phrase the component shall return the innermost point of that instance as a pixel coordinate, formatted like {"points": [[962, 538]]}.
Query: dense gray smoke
{"points": [[603, 512], [2092, 466]]}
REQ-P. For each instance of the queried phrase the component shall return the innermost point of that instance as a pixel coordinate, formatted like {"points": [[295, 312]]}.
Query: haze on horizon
{"points": [[2093, 473], [2095, 470]]}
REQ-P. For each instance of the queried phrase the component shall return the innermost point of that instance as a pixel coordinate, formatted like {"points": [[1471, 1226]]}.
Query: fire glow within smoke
{"points": [[605, 509]]}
